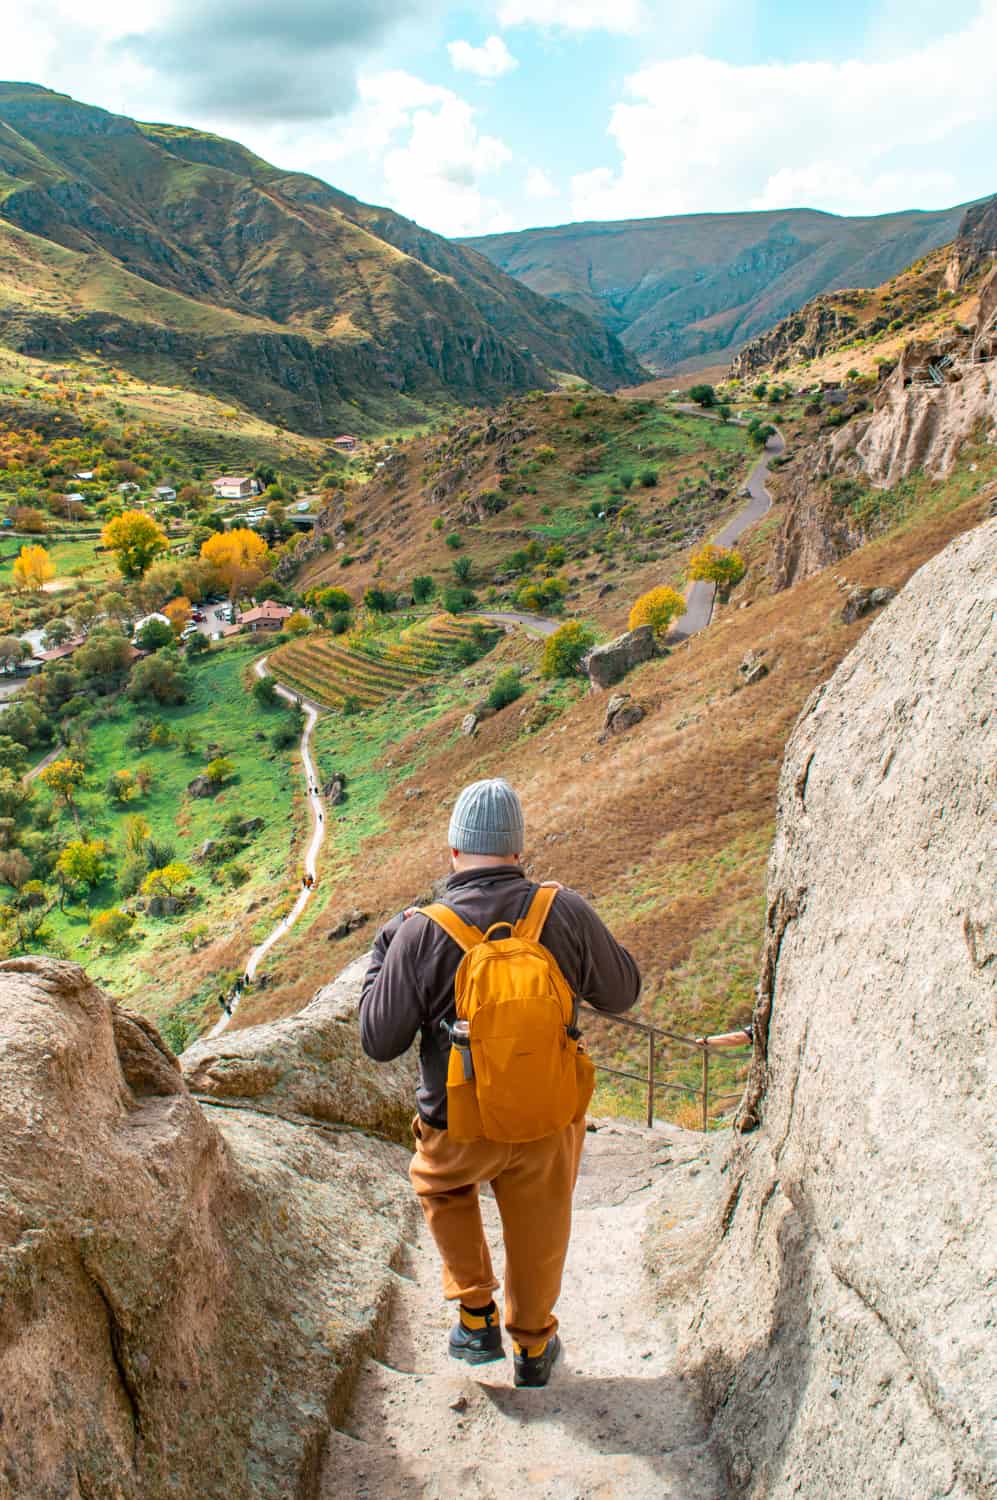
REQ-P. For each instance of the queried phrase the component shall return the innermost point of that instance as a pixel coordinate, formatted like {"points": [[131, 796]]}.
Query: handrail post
{"points": [[650, 1080], [706, 1087]]}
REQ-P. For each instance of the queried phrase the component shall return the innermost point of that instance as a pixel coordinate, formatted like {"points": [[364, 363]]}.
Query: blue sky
{"points": [[498, 114]]}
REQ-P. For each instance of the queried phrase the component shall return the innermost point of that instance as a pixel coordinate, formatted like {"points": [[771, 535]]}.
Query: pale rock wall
{"points": [[186, 1291], [842, 1313]]}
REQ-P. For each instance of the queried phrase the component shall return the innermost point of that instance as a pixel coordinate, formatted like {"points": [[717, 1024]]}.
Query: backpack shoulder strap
{"points": [[463, 934], [531, 925]]}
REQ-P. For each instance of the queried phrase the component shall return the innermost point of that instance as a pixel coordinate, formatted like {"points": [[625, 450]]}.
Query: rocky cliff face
{"points": [[186, 1289], [841, 1325]]}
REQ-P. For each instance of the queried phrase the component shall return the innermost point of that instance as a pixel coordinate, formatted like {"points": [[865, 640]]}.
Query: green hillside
{"points": [[698, 286], [188, 260]]}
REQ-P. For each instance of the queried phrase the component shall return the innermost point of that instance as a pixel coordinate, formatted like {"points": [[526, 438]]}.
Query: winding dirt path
{"points": [[284, 926]]}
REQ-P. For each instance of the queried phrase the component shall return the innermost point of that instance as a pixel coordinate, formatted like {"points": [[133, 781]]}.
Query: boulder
{"points": [[206, 850], [469, 724], [249, 826], [752, 669], [863, 601], [309, 1065], [334, 790], [622, 713], [348, 923], [841, 1302], [609, 664], [202, 786], [187, 1290]]}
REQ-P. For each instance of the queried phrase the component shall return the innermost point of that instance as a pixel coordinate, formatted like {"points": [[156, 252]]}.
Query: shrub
{"points": [[235, 874], [657, 608], [564, 650], [437, 523], [649, 478], [112, 926], [265, 692], [507, 687], [166, 880], [219, 770], [463, 568], [626, 479], [453, 540], [545, 454], [339, 624], [352, 705], [457, 601], [297, 624], [334, 600]]}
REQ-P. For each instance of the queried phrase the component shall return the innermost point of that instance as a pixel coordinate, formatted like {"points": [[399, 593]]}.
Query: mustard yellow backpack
{"points": [[520, 1074]]}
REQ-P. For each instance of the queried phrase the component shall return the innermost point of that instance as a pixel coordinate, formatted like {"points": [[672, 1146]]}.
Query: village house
{"points": [[345, 443], [128, 488], [165, 492], [84, 474], [234, 487], [57, 653], [266, 616]]}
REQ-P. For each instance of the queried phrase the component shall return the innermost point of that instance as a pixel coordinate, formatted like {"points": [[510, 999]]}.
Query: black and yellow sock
{"points": [[475, 1318]]}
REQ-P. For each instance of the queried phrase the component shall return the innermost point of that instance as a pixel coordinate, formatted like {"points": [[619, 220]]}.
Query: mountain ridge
{"points": [[685, 288], [356, 315]]}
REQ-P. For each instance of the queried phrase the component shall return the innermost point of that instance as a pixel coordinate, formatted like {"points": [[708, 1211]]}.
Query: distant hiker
{"points": [[224, 1005], [503, 1083]]}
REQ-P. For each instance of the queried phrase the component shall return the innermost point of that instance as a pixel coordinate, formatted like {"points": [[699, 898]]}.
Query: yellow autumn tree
{"points": [[723, 566], [33, 568], [657, 608], [178, 613], [239, 558], [135, 539]]}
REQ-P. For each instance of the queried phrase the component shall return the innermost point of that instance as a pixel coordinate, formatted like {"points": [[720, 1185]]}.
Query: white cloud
{"points": [[625, 16], [695, 134], [539, 185], [490, 60], [436, 174]]}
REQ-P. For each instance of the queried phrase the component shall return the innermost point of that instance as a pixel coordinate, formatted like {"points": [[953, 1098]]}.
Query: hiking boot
{"points": [[533, 1366], [477, 1337]]}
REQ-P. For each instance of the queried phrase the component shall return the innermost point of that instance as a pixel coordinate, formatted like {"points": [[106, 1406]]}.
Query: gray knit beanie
{"points": [[487, 819]]}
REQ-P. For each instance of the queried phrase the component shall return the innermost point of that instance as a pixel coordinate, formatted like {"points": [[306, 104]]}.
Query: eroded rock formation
{"points": [[185, 1290], [840, 1328]]}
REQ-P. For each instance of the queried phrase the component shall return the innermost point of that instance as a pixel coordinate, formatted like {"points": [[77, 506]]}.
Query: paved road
{"points": [[284, 926], [532, 624], [701, 597]]}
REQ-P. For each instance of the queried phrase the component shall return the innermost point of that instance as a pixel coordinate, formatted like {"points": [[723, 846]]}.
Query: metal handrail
{"points": [[655, 1084]]}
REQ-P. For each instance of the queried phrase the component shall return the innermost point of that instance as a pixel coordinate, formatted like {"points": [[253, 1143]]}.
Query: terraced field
{"points": [[367, 670]]}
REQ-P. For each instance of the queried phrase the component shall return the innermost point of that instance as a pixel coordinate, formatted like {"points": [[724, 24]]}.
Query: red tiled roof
{"points": [[58, 652], [268, 610]]}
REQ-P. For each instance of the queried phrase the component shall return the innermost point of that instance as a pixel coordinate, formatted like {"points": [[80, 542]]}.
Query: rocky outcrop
{"points": [[606, 665], [840, 1328], [805, 334], [918, 424], [308, 1066], [975, 245], [186, 1291]]}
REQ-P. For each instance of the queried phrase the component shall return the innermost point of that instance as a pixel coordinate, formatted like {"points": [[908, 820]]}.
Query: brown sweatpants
{"points": [[533, 1185]]}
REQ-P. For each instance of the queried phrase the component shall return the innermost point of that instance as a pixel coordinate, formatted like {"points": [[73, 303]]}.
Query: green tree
{"points": [[564, 650], [463, 568], [703, 395], [333, 599], [154, 635], [453, 540], [158, 677], [12, 755], [423, 588], [457, 601]]}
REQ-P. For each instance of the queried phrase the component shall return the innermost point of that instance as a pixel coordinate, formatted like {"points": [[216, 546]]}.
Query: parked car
{"points": [[197, 614]]}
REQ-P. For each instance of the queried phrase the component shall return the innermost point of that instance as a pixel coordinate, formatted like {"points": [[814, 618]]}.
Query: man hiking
{"points": [[503, 1083]]}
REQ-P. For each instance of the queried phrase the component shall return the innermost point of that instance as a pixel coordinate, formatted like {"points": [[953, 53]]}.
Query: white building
{"points": [[234, 487], [165, 492]]}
